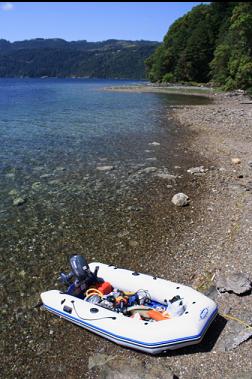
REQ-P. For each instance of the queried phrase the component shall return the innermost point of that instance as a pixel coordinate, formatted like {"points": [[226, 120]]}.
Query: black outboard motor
{"points": [[84, 278]]}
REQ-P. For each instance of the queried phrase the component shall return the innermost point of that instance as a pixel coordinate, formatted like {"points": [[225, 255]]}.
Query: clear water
{"points": [[53, 135]]}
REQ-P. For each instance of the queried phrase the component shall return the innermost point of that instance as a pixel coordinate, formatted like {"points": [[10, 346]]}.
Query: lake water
{"points": [[54, 135]]}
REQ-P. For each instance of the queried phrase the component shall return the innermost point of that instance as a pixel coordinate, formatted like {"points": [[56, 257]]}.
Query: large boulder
{"points": [[237, 282]]}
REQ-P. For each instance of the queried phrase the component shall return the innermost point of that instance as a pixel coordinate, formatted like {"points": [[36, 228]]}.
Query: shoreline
{"points": [[169, 90], [221, 242], [218, 241]]}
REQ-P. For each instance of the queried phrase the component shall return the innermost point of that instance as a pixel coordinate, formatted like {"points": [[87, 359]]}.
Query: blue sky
{"points": [[93, 21]]}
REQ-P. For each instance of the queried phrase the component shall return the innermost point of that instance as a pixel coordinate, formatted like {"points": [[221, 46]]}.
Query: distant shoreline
{"points": [[170, 89]]}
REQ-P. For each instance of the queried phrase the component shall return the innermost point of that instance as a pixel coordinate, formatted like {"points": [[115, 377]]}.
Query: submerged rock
{"points": [[197, 170], [148, 170], [133, 243], [238, 282], [36, 185], [151, 159], [166, 176], [60, 168], [135, 208], [105, 168], [19, 201], [13, 192], [45, 176], [113, 367], [180, 199], [99, 359], [10, 175]]}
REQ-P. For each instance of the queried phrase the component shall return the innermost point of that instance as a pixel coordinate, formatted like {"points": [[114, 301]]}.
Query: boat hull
{"points": [[149, 337]]}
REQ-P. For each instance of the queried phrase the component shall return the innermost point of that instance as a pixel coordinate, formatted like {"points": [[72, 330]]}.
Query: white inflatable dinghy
{"points": [[184, 321]]}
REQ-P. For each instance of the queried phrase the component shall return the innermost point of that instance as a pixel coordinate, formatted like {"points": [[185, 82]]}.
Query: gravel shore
{"points": [[222, 240], [219, 242]]}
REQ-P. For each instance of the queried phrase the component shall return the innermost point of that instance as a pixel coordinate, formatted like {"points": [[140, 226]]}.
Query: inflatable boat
{"points": [[184, 314]]}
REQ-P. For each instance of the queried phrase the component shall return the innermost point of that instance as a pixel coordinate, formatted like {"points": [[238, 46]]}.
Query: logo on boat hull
{"points": [[204, 313]]}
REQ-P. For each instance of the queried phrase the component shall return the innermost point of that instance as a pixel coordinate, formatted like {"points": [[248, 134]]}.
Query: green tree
{"points": [[211, 42], [232, 63]]}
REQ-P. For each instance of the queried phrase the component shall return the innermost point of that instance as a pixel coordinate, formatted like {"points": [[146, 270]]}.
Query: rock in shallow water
{"points": [[238, 282], [13, 192], [197, 170], [105, 168], [148, 170], [169, 177], [36, 185], [180, 199], [19, 201], [113, 367]]}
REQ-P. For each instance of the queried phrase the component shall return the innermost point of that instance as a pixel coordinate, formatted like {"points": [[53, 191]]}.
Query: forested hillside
{"points": [[59, 58], [211, 43]]}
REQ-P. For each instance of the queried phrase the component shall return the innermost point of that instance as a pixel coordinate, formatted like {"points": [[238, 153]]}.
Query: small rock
{"points": [[45, 176], [170, 177], [54, 182], [151, 159], [154, 143], [22, 273], [13, 192], [135, 208], [36, 185], [180, 199], [197, 170], [236, 187], [133, 243], [236, 160], [123, 233], [60, 168], [10, 175], [250, 164], [105, 168], [99, 360], [113, 367], [19, 201], [148, 170], [249, 186], [238, 282]]}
